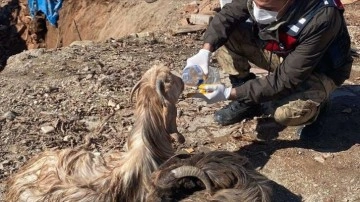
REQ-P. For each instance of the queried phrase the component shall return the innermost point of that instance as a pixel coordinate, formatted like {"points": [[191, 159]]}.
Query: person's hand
{"points": [[212, 93], [202, 58]]}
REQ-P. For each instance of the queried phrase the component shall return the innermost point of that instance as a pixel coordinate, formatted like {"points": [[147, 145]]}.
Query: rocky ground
{"points": [[79, 94]]}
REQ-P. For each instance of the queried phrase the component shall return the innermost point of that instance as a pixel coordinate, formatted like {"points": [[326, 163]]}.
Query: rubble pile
{"points": [[196, 16]]}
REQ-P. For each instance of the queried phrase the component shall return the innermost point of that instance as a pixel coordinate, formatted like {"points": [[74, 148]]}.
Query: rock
{"points": [[144, 34], [47, 129], [200, 19], [4, 163], [82, 43], [111, 103], [319, 159], [328, 155], [50, 89], [89, 76], [187, 29], [10, 115], [67, 138]]}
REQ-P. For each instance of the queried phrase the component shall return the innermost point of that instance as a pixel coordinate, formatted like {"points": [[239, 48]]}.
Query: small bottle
{"points": [[194, 76]]}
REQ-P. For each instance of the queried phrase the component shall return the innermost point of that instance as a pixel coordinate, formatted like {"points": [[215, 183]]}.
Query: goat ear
{"points": [[137, 85], [160, 89]]}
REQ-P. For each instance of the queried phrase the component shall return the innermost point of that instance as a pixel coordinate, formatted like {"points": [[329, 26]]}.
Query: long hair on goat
{"points": [[75, 174], [226, 176]]}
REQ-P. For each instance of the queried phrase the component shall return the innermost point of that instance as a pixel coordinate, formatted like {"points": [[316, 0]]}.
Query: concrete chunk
{"points": [[200, 19]]}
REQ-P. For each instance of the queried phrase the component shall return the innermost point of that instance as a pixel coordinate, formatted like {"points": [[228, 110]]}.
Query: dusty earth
{"points": [[72, 95]]}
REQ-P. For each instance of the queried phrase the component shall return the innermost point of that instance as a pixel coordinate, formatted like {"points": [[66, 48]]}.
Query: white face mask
{"points": [[263, 16]]}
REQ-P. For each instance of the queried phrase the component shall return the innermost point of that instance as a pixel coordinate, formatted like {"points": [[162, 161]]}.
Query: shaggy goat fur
{"points": [[231, 176], [79, 175]]}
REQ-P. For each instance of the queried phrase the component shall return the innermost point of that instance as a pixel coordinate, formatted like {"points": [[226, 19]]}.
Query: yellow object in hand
{"points": [[202, 89], [207, 88], [212, 93]]}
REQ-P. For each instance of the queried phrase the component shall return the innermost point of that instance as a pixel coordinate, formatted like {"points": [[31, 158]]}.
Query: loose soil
{"points": [[65, 96]]}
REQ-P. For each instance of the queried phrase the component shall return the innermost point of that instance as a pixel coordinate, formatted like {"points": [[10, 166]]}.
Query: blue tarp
{"points": [[49, 7]]}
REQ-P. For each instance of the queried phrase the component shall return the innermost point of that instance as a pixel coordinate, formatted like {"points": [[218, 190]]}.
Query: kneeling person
{"points": [[304, 44]]}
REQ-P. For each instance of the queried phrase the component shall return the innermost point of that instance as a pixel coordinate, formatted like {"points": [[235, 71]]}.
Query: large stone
{"points": [[200, 19]]}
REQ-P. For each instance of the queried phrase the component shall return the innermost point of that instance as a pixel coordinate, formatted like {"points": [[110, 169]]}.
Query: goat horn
{"points": [[160, 89], [137, 85], [192, 171]]}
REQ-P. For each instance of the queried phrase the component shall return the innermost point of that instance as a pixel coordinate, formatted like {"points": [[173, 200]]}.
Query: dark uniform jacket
{"points": [[323, 46]]}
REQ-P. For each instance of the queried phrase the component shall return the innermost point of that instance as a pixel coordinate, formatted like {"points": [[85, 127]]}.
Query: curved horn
{"points": [[176, 159], [192, 171], [137, 85], [160, 89]]}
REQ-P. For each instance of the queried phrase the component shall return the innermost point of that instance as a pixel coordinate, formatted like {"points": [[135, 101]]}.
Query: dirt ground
{"points": [[71, 95]]}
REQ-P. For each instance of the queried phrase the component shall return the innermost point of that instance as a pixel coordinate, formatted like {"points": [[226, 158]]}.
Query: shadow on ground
{"points": [[336, 129]]}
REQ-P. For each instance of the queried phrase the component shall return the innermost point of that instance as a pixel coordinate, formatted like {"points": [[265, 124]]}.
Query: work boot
{"points": [[236, 111]]}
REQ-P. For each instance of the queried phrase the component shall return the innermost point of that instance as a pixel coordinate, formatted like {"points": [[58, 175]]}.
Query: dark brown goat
{"points": [[227, 177], [77, 175]]}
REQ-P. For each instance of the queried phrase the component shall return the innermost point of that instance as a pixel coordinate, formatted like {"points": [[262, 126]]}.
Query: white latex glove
{"points": [[202, 58], [212, 93]]}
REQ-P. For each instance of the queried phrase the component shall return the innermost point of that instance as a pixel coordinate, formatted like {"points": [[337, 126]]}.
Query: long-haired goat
{"points": [[78, 175], [226, 176]]}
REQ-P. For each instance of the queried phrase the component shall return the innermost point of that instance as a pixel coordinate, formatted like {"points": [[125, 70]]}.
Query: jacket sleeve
{"points": [[299, 64], [225, 21]]}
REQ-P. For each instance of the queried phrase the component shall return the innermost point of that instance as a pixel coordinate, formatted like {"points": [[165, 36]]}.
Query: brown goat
{"points": [[79, 175], [227, 177]]}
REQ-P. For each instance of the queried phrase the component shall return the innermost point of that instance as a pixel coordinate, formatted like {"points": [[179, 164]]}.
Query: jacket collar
{"points": [[294, 11]]}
